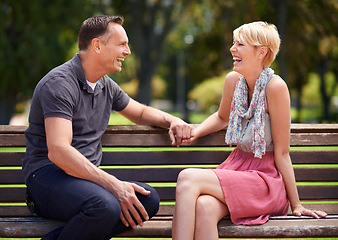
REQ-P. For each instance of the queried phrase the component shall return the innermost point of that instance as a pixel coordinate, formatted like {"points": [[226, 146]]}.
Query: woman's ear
{"points": [[263, 51]]}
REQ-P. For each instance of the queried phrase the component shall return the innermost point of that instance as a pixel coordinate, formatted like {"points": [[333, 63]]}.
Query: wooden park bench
{"points": [[143, 153]]}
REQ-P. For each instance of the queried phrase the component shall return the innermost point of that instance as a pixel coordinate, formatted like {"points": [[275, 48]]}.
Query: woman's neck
{"points": [[251, 78]]}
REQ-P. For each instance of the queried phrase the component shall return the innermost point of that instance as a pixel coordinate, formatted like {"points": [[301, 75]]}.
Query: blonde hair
{"points": [[260, 34]]}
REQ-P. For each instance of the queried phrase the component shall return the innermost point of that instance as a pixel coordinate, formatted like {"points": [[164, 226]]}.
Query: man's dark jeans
{"points": [[91, 212]]}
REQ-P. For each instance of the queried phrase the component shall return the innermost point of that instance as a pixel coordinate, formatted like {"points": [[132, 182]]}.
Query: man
{"points": [[69, 113]]}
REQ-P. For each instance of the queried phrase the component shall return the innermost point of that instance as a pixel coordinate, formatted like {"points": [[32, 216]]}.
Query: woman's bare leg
{"points": [[191, 184], [209, 210]]}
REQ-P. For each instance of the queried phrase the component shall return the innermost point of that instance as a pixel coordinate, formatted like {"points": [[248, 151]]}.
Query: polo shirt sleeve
{"points": [[57, 99]]}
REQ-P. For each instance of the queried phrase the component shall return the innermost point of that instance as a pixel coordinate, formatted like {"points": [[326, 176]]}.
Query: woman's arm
{"points": [[279, 110], [142, 114]]}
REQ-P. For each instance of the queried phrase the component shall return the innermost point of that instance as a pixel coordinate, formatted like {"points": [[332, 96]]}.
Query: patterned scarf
{"points": [[240, 110]]}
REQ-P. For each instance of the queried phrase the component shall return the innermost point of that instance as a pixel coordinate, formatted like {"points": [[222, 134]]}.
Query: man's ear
{"points": [[96, 45]]}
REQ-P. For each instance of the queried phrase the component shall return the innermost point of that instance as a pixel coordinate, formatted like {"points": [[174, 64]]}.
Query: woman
{"points": [[257, 179]]}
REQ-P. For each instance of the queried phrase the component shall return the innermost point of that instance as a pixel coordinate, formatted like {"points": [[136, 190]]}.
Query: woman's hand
{"points": [[180, 132], [301, 211]]}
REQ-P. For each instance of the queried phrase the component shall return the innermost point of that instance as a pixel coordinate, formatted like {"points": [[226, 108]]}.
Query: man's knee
{"points": [[103, 208], [150, 202]]}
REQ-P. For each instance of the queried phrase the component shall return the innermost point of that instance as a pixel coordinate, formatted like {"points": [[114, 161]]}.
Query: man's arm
{"points": [[59, 137], [144, 115]]}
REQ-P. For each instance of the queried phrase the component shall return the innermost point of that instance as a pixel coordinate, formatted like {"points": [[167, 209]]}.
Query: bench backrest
{"points": [[144, 153]]}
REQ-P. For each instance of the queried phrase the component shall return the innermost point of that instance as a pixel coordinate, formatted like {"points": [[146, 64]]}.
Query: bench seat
{"points": [[143, 153]]}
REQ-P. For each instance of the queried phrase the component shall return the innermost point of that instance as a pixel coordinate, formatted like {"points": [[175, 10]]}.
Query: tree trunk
{"points": [[322, 70], [298, 99], [147, 36], [282, 19]]}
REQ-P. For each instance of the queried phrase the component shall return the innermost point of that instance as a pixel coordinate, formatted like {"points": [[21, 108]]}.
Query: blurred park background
{"points": [[180, 51]]}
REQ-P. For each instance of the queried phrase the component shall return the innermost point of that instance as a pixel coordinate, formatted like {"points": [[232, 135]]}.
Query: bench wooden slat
{"points": [[312, 139], [305, 192], [314, 157], [27, 227], [314, 128], [11, 158], [12, 140], [162, 140], [329, 208], [9, 194], [216, 140], [205, 157], [318, 192], [295, 127], [165, 210], [170, 174], [181, 157], [316, 174], [279, 229], [30, 227], [12, 129]]}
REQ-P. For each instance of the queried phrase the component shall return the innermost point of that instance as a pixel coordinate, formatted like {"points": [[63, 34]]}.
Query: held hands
{"points": [[180, 132], [301, 211], [131, 207]]}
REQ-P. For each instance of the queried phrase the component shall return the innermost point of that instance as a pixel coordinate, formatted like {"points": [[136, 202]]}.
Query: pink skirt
{"points": [[253, 188]]}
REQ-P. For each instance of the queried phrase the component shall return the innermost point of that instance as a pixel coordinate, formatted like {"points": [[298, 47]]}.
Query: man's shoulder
{"points": [[62, 73], [109, 82], [65, 70]]}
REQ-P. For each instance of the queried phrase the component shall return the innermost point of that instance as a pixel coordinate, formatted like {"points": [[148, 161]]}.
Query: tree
{"points": [[148, 23], [311, 43], [34, 37]]}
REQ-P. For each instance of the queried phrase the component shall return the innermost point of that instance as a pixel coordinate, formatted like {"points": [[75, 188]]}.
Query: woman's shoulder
{"points": [[232, 76], [276, 83], [231, 79], [276, 86]]}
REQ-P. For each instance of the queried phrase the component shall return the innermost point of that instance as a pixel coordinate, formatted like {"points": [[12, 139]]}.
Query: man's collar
{"points": [[79, 72]]}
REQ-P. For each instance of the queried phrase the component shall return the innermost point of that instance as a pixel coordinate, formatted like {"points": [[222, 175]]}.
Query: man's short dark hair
{"points": [[95, 27]]}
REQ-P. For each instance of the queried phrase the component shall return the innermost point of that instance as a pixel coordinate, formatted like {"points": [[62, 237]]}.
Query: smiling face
{"points": [[113, 48], [245, 56], [261, 36]]}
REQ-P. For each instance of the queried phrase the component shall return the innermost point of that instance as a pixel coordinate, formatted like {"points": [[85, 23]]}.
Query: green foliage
{"points": [[158, 86], [208, 93], [36, 36], [308, 29], [311, 93]]}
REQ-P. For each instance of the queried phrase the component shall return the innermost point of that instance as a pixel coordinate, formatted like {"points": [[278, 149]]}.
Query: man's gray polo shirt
{"points": [[63, 92]]}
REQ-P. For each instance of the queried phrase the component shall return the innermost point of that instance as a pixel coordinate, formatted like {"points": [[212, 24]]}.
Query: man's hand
{"points": [[131, 207], [180, 132]]}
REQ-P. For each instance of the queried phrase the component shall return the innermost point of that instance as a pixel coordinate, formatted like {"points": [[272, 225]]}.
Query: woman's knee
{"points": [[204, 206], [205, 211], [210, 209], [186, 176], [187, 180]]}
